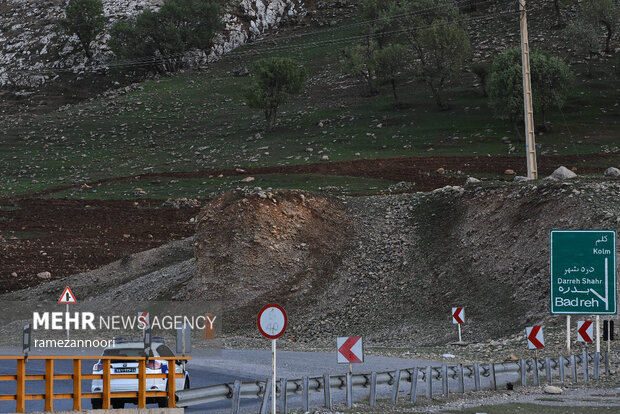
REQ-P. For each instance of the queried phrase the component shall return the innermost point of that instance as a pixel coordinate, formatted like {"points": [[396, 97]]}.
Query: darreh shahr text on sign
{"points": [[583, 272]]}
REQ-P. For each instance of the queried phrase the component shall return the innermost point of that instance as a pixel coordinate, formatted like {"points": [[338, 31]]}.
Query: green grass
{"points": [[198, 121]]}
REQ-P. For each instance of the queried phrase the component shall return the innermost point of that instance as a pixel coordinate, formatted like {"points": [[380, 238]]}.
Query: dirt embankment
{"points": [[386, 267], [391, 267]]}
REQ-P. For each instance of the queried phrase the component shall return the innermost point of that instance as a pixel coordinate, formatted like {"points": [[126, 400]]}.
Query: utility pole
{"points": [[528, 111]]}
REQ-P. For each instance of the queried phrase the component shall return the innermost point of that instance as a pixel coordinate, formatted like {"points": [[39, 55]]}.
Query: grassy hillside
{"points": [[198, 121]]}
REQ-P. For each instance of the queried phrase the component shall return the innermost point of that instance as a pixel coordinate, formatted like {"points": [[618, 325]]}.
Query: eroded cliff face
{"points": [[33, 50]]}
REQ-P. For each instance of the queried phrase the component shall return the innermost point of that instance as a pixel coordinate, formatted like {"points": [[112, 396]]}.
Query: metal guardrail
{"points": [[77, 376], [304, 386]]}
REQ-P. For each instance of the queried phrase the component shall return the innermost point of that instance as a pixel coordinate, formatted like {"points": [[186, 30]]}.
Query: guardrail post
{"points": [[493, 378], [236, 397], [105, 403], [21, 386], [396, 387], [444, 379], [606, 363], [172, 383], [349, 390], [265, 403], [548, 369], [597, 359], [304, 397], [49, 385], [283, 395], [573, 367], [327, 392], [414, 385], [477, 376], [461, 379], [373, 389], [584, 362], [77, 385], [535, 371], [562, 376], [523, 373], [429, 382], [141, 383]]}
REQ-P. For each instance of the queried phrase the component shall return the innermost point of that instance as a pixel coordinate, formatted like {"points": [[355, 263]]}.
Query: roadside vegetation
{"points": [[158, 40], [84, 19], [202, 120]]}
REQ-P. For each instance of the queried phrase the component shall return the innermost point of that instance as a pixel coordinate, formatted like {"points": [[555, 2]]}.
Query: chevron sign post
{"points": [[535, 338], [350, 350], [585, 331], [458, 318]]}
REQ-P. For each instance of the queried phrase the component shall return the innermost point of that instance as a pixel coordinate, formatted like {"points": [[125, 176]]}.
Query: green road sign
{"points": [[583, 272]]}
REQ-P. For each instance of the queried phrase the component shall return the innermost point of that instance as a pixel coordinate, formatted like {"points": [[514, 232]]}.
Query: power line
{"points": [[365, 22]]}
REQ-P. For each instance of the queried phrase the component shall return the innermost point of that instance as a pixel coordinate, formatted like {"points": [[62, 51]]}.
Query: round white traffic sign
{"points": [[272, 321]]}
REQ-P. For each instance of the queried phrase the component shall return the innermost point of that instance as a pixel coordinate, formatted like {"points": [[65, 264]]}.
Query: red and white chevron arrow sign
{"points": [[535, 338], [458, 315], [350, 349], [585, 331]]}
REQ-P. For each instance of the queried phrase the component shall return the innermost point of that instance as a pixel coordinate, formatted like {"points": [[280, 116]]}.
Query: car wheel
{"points": [[96, 403], [118, 404]]}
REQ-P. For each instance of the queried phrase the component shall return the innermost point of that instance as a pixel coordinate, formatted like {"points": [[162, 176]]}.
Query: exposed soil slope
{"points": [[252, 248]]}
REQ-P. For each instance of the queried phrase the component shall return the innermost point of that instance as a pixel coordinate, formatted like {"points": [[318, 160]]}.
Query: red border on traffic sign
{"points": [[65, 302], [265, 334]]}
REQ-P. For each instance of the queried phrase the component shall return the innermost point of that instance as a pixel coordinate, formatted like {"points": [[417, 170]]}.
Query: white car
{"points": [[134, 348]]}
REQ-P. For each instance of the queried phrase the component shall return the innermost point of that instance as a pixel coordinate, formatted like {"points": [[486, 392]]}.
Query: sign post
{"points": [[27, 339], [66, 298], [272, 322], [147, 342], [458, 318], [583, 274]]}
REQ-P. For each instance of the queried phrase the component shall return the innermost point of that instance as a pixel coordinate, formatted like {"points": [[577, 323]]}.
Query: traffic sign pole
{"points": [[272, 322], [67, 324], [459, 325], [568, 334], [598, 334], [273, 377]]}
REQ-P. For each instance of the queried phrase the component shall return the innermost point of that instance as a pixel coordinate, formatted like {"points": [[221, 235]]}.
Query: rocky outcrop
{"points": [[32, 49]]}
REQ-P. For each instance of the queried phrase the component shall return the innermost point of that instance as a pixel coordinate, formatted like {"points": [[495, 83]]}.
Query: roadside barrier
{"points": [[77, 376], [327, 383]]}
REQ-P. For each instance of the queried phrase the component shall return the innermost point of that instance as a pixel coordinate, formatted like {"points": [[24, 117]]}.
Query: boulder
{"points": [[550, 389], [563, 173], [520, 178], [471, 180], [509, 172], [612, 172], [44, 275]]}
